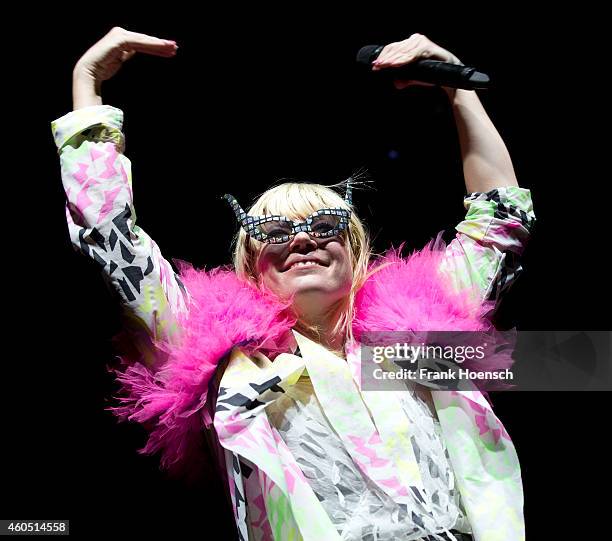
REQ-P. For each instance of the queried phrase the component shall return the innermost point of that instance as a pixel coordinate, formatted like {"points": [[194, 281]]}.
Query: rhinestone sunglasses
{"points": [[273, 229]]}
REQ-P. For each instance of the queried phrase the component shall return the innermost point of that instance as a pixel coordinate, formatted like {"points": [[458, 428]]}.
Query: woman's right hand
{"points": [[104, 59]]}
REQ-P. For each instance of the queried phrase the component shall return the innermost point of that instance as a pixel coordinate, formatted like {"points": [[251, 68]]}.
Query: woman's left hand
{"points": [[416, 47]]}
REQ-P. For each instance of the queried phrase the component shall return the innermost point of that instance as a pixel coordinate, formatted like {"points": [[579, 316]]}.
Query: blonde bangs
{"points": [[296, 201]]}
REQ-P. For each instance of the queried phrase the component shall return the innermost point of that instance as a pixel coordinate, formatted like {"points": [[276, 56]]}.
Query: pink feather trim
{"points": [[225, 311], [404, 294], [412, 294]]}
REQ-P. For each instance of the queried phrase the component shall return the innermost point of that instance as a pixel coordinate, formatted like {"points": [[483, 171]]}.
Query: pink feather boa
{"points": [[410, 294], [404, 293]]}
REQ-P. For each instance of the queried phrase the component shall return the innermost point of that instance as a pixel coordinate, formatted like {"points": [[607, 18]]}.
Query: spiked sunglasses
{"points": [[273, 229]]}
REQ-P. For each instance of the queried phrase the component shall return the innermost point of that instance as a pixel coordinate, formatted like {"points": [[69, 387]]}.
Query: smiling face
{"points": [[317, 271], [322, 274]]}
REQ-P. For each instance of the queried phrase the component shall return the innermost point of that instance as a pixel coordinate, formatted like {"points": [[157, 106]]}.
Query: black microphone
{"points": [[428, 71]]}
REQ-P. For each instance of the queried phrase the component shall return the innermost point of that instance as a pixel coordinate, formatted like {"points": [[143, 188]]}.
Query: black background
{"points": [[252, 97]]}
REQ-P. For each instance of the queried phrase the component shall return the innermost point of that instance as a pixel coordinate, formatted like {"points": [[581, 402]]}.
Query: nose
{"points": [[303, 242]]}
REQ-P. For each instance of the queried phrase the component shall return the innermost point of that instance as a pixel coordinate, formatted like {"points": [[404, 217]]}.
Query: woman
{"points": [[263, 359]]}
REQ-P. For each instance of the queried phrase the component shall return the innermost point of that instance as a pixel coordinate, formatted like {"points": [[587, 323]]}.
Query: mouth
{"points": [[302, 265]]}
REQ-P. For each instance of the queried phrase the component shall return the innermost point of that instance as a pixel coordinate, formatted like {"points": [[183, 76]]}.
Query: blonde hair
{"points": [[297, 200]]}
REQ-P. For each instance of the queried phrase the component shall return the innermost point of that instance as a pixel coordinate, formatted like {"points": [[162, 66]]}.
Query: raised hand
{"points": [[416, 47], [104, 59]]}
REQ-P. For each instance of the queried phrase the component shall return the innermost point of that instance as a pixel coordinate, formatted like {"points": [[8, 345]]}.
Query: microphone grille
{"points": [[369, 53]]}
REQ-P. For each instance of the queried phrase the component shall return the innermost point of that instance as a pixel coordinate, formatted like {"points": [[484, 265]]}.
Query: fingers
{"points": [[399, 53], [399, 59], [416, 47], [142, 43]]}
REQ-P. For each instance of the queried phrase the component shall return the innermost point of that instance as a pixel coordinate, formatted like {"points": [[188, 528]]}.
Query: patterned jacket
{"points": [[483, 256]]}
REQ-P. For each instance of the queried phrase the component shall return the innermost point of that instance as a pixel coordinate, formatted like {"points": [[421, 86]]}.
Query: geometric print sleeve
{"points": [[485, 253], [97, 180]]}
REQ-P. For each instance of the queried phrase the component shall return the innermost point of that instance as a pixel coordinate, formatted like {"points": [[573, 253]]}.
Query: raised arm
{"points": [[97, 179], [486, 160], [485, 252]]}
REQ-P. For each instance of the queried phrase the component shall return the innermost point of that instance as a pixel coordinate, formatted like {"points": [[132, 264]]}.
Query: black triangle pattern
{"points": [[112, 239], [134, 275], [126, 289], [125, 253], [121, 222], [98, 238], [149, 268]]}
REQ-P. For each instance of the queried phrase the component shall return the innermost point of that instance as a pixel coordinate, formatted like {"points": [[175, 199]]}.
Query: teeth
{"points": [[303, 264]]}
